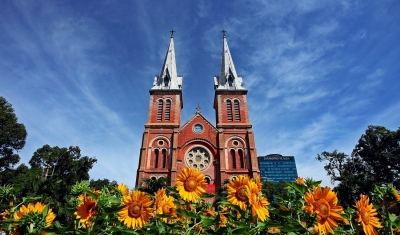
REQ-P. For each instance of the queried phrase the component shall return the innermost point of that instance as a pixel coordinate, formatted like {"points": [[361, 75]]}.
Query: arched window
{"points": [[241, 158], [167, 109], [164, 158], [156, 158], [233, 158], [237, 110], [159, 111], [208, 181], [229, 110]]}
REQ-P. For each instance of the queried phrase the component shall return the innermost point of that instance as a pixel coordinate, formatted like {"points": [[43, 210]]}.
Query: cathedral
{"points": [[219, 151]]}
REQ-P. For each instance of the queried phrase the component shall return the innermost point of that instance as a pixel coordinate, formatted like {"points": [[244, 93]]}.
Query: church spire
{"points": [[168, 78], [228, 78]]}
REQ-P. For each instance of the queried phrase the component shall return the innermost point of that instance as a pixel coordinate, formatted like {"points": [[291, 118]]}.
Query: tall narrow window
{"points": [[159, 111], [164, 158], [229, 110], [230, 82], [233, 158], [166, 81], [237, 110], [241, 158], [156, 158], [167, 109]]}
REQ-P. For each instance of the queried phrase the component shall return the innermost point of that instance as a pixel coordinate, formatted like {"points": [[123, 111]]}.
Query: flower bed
{"points": [[305, 208]]}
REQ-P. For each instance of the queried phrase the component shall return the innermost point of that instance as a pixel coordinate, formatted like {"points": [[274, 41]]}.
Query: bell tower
{"points": [[159, 143], [236, 145]]}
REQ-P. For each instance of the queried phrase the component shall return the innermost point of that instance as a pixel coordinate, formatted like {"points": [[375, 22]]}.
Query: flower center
{"points": [[166, 209], [191, 184], [364, 216], [323, 208], [241, 193], [135, 209], [91, 207]]}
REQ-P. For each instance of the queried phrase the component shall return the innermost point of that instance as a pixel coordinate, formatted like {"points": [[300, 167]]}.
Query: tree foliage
{"points": [[12, 135], [152, 185], [53, 172], [375, 160], [99, 184]]}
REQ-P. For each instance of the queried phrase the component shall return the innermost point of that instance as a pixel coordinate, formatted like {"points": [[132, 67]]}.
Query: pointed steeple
{"points": [[168, 78], [228, 78]]}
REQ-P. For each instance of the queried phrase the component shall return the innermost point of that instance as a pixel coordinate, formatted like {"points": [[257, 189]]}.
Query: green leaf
{"points": [[30, 199], [396, 221], [207, 195], [45, 211]]}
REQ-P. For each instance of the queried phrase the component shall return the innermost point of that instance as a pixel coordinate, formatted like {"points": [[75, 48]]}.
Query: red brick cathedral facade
{"points": [[219, 151]]}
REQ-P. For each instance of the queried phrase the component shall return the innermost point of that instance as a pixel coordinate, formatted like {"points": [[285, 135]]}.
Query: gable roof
{"points": [[198, 114]]}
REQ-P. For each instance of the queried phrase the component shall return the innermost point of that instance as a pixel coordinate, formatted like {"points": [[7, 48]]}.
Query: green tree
{"points": [[99, 184], [51, 176], [269, 189], [152, 185], [12, 136], [375, 160]]}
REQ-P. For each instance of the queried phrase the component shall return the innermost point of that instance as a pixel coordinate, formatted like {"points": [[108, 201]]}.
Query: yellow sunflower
{"points": [[322, 201], [164, 204], [35, 208], [191, 183], [300, 180], [258, 203], [85, 210], [209, 212], [137, 210], [396, 194], [258, 182], [223, 220], [274, 230], [237, 191], [123, 189], [367, 216]]}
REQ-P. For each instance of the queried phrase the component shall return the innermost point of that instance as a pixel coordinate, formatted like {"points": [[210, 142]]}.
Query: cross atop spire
{"points": [[198, 109], [168, 78], [228, 78]]}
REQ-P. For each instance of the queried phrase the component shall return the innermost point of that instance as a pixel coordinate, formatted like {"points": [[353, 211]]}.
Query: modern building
{"points": [[276, 168], [220, 151]]}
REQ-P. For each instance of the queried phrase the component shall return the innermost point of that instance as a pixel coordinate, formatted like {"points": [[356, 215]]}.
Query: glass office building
{"points": [[276, 168]]}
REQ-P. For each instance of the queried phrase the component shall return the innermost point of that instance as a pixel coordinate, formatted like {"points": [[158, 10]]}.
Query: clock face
{"points": [[198, 128]]}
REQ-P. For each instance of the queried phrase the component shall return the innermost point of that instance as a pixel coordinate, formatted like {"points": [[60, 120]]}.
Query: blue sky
{"points": [[318, 72]]}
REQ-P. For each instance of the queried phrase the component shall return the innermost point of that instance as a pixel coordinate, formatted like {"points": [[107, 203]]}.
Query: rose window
{"points": [[198, 158]]}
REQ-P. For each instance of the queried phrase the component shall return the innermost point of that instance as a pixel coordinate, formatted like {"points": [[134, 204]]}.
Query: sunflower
{"points": [[164, 204], [258, 203], [300, 180], [137, 210], [274, 230], [37, 209], [3, 216], [237, 191], [367, 216], [123, 189], [322, 201], [223, 220], [198, 229], [209, 212], [191, 183], [86, 209], [396, 194], [258, 182]]}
